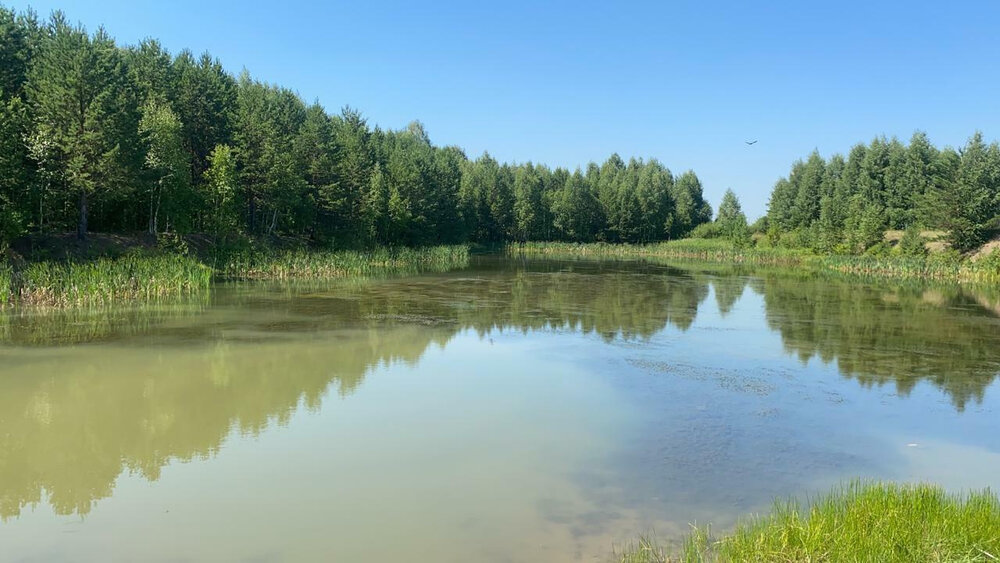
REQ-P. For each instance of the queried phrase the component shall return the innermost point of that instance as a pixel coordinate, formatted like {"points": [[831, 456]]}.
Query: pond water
{"points": [[511, 411]]}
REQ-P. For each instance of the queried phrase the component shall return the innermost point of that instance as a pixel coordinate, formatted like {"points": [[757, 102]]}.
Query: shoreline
{"points": [[138, 274], [145, 275]]}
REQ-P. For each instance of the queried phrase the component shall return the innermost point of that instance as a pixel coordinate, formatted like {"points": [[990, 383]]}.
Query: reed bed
{"points": [[291, 265], [104, 281], [6, 284], [710, 250], [146, 277], [861, 521], [943, 267]]}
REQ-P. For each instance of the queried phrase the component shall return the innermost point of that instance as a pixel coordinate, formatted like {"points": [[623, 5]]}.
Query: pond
{"points": [[516, 410]]}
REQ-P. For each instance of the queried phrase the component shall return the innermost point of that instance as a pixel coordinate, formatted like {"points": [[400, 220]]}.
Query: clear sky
{"points": [[565, 83]]}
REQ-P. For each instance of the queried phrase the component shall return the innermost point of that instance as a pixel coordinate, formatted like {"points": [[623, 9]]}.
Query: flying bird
{"points": [[750, 142]]}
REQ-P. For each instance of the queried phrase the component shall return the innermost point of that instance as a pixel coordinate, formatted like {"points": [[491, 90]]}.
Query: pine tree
{"points": [[73, 88]]}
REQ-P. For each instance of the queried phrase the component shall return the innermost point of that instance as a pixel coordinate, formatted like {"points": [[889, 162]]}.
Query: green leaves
{"points": [[887, 185]]}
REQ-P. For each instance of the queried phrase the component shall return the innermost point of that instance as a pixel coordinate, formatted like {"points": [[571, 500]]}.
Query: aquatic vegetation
{"points": [[303, 264], [861, 521], [6, 284], [106, 280], [141, 276], [942, 266], [713, 250]]}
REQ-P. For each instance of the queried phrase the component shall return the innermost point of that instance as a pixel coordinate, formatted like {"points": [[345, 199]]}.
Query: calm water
{"points": [[513, 411]]}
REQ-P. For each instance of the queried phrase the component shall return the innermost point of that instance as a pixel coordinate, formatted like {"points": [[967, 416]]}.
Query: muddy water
{"points": [[511, 411]]}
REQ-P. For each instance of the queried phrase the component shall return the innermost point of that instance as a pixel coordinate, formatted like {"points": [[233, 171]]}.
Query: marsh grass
{"points": [[148, 276], [104, 281], [944, 266], [711, 250], [290, 265], [6, 284], [860, 521]]}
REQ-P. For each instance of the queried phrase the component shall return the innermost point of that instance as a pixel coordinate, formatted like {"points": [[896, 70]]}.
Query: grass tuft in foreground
{"points": [[862, 521]]}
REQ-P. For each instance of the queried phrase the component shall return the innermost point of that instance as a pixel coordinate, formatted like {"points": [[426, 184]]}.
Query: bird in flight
{"points": [[750, 142]]}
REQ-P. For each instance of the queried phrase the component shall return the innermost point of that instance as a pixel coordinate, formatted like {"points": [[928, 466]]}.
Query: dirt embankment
{"points": [[65, 246]]}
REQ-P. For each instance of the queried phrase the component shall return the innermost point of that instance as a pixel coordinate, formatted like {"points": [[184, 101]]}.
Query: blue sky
{"points": [[568, 82]]}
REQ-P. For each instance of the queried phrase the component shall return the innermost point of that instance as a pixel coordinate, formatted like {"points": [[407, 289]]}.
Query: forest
{"points": [[845, 205], [98, 137]]}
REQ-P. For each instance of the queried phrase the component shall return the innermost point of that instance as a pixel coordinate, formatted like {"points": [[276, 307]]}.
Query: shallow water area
{"points": [[516, 410]]}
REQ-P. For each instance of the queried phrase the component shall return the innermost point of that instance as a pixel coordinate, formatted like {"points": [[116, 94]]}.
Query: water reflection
{"points": [[141, 388], [900, 336]]}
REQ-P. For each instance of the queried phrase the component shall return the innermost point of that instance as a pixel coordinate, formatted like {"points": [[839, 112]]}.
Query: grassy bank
{"points": [[860, 522], [945, 266], [144, 275]]}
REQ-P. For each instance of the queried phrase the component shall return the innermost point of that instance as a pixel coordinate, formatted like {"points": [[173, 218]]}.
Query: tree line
{"points": [[101, 137], [844, 205]]}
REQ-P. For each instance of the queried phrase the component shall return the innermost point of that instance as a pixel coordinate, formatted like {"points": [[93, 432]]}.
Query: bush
{"points": [[912, 244], [706, 230]]}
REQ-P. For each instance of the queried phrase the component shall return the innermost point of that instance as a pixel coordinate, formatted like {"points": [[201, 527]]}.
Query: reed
{"points": [[289, 265], [131, 277], [944, 267], [6, 284]]}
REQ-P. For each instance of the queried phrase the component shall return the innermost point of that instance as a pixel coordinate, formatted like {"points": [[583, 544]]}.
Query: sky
{"points": [[566, 83]]}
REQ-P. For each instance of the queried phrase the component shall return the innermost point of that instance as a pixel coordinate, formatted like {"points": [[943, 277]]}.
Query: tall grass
{"points": [[945, 267], [862, 521], [6, 284], [108, 280], [712, 250], [334, 264], [144, 277]]}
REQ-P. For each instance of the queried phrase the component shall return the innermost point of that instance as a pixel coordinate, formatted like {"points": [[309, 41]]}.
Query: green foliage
{"points": [[731, 221], [845, 204], [85, 123], [706, 231], [14, 175], [119, 139], [912, 244], [166, 163], [219, 192]]}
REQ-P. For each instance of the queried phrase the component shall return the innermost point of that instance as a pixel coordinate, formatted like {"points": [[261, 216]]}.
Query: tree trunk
{"points": [[149, 224], [252, 211], [156, 212], [81, 227]]}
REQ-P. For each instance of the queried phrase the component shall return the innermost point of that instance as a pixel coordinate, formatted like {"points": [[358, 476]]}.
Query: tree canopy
{"points": [[110, 138], [846, 204]]}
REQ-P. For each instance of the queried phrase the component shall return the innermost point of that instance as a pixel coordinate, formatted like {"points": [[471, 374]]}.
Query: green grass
{"points": [[946, 267], [862, 521], [290, 265]]}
